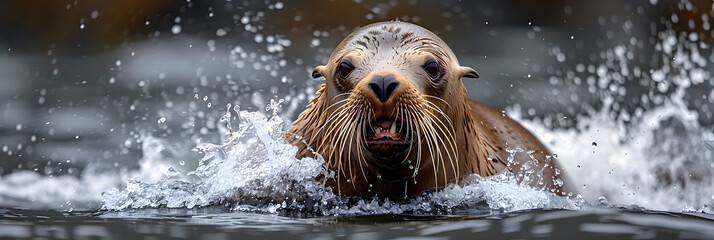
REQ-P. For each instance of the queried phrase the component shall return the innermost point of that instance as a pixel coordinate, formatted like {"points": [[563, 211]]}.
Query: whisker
{"points": [[341, 138], [341, 94], [333, 116], [350, 131], [450, 140], [339, 143], [435, 138], [338, 102], [338, 123], [428, 142], [432, 139], [438, 98], [437, 109], [360, 148]]}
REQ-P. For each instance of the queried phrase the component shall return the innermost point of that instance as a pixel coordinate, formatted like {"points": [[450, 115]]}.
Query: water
{"points": [[218, 223], [178, 135]]}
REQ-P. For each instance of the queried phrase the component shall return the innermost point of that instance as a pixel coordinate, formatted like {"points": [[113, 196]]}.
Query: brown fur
{"points": [[477, 143]]}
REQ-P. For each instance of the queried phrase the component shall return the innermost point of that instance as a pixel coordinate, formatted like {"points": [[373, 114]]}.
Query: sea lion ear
{"points": [[468, 72], [318, 72]]}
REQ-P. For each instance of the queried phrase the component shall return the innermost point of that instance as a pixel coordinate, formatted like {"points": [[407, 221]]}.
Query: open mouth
{"points": [[386, 138]]}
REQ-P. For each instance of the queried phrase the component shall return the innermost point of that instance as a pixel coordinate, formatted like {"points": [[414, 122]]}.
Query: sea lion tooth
{"points": [[393, 130]]}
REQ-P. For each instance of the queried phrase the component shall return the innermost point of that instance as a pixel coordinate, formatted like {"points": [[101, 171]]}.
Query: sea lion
{"points": [[393, 120]]}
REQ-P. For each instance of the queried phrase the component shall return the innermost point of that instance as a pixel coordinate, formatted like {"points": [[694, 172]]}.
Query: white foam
{"points": [[643, 162]]}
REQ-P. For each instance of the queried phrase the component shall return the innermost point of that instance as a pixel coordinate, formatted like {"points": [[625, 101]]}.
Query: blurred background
{"points": [[82, 81]]}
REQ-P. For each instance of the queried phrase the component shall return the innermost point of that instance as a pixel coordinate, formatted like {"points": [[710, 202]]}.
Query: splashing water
{"points": [[650, 166], [660, 158], [255, 169]]}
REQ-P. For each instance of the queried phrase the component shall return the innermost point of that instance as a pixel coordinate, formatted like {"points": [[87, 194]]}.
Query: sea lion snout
{"points": [[383, 86], [383, 89]]}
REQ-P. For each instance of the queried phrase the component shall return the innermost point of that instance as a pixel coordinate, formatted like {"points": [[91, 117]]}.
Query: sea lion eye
{"points": [[345, 69], [432, 68]]}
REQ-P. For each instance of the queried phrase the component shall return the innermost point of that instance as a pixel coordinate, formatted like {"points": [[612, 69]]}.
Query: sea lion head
{"points": [[392, 99]]}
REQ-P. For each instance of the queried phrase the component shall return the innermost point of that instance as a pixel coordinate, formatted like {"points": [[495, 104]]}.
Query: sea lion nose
{"points": [[383, 86]]}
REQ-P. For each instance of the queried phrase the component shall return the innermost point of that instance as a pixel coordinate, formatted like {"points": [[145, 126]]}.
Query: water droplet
{"points": [[162, 120], [95, 14], [18, 127], [602, 201], [176, 29], [315, 42], [81, 26], [118, 63], [594, 144], [182, 162], [220, 32]]}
